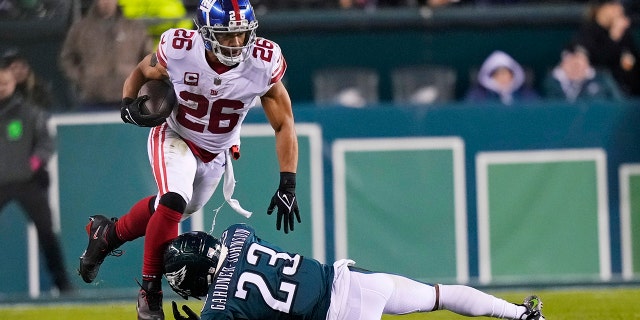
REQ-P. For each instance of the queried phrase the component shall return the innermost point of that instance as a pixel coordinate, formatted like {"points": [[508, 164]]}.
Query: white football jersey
{"points": [[213, 106]]}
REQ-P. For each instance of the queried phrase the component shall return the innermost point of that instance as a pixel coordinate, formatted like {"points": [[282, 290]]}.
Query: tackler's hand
{"points": [[285, 200], [190, 314], [130, 112]]}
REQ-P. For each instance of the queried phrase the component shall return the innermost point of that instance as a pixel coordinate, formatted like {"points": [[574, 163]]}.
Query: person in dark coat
{"points": [[26, 147], [606, 34]]}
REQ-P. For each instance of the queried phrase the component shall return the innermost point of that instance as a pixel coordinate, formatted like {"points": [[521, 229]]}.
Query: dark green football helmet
{"points": [[190, 263]]}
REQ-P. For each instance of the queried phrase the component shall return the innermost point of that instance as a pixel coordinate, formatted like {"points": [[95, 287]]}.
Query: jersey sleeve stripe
{"points": [[279, 72], [161, 55]]}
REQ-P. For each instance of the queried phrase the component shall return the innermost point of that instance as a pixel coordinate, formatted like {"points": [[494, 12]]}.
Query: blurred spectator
{"points": [[27, 9], [262, 6], [632, 8], [440, 3], [26, 147], [373, 4], [29, 85], [160, 14], [99, 52], [501, 79], [497, 2], [608, 38], [574, 79], [9, 9]]}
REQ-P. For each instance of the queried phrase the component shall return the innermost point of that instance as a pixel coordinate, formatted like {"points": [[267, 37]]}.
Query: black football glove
{"points": [[285, 200], [190, 314], [130, 113]]}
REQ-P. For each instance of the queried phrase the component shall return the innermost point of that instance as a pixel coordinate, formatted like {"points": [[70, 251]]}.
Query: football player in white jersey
{"points": [[218, 72]]}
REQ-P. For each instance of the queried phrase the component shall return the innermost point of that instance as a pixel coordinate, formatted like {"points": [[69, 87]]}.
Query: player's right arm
{"points": [[152, 67], [147, 69]]}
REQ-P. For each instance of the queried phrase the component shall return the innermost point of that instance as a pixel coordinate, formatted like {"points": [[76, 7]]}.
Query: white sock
{"points": [[469, 301]]}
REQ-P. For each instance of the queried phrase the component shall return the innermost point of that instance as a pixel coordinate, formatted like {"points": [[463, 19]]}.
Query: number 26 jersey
{"points": [[213, 105]]}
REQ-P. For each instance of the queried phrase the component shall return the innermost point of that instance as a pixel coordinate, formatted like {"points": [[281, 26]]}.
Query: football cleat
{"points": [[149, 305], [99, 247], [534, 308]]}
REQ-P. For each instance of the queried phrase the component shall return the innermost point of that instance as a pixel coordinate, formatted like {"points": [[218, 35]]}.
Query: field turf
{"points": [[559, 304]]}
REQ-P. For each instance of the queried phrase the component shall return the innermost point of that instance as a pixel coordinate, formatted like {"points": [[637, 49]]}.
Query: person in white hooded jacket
{"points": [[501, 79]]}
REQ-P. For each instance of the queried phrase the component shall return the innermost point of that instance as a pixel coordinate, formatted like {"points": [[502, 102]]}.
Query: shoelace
{"points": [[153, 299], [116, 252]]}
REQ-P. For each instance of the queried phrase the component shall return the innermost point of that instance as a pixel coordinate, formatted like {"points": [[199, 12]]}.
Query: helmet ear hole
{"points": [[190, 263]]}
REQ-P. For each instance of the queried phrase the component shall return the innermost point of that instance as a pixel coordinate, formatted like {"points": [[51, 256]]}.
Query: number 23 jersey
{"points": [[257, 280], [213, 105]]}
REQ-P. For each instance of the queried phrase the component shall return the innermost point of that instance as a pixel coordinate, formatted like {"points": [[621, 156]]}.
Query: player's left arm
{"points": [[277, 107]]}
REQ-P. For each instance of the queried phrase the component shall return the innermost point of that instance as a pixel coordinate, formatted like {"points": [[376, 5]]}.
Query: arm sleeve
{"points": [[44, 143]]}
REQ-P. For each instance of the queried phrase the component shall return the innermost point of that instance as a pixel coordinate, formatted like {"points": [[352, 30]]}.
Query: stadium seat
{"points": [[423, 84], [347, 86]]}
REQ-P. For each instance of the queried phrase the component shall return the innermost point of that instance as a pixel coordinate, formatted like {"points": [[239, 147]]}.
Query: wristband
{"points": [[287, 181]]}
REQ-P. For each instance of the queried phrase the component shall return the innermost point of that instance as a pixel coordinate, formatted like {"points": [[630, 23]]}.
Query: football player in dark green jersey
{"points": [[245, 277]]}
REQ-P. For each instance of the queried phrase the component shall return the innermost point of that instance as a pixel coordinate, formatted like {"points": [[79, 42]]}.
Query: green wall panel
{"points": [[13, 236], [551, 205], [400, 208], [543, 217], [629, 222], [634, 184], [103, 169]]}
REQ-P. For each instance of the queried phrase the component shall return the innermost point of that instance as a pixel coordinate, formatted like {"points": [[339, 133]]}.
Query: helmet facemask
{"points": [[219, 19], [229, 55]]}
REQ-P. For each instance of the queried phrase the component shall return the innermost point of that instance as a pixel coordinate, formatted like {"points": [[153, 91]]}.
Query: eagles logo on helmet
{"points": [[176, 278], [190, 262], [217, 17]]}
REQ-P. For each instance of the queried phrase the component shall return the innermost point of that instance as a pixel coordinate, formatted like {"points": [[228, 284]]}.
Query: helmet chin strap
{"points": [[227, 60], [224, 60]]}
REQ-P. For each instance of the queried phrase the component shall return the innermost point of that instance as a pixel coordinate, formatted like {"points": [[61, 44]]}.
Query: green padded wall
{"points": [[629, 221], [13, 236], [399, 206], [541, 216]]}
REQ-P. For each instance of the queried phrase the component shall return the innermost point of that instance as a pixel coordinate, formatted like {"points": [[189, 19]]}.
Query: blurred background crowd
{"points": [[98, 42]]}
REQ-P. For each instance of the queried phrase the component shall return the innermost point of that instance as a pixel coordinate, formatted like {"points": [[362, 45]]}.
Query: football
{"points": [[162, 98]]}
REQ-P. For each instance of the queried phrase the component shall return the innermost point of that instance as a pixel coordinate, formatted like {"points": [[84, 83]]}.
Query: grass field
{"points": [[559, 304]]}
